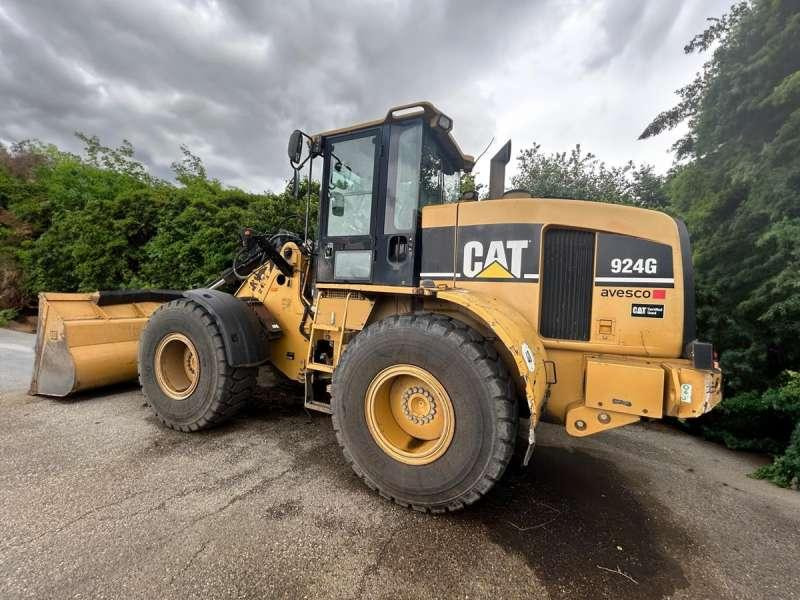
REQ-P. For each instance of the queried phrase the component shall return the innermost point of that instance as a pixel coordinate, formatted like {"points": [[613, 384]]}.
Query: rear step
{"points": [[314, 397]]}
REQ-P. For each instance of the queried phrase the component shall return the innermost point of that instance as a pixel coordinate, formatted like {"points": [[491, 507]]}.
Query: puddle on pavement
{"points": [[571, 513], [290, 508], [283, 399]]}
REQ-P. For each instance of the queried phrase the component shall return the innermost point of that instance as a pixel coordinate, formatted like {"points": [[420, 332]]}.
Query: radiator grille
{"points": [[567, 284], [334, 293]]}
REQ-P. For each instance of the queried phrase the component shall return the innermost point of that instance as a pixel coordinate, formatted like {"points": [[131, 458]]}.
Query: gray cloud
{"points": [[231, 80]]}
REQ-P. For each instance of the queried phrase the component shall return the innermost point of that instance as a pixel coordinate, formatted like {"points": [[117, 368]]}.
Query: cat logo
{"points": [[488, 252], [501, 260]]}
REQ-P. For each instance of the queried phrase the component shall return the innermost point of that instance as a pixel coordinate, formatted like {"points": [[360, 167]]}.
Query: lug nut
{"points": [[604, 418], [580, 425]]}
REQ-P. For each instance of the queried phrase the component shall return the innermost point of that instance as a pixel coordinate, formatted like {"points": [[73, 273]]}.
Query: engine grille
{"points": [[567, 284]]}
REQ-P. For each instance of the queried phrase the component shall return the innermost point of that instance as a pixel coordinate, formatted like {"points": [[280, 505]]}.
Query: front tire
{"points": [[183, 370], [424, 411]]}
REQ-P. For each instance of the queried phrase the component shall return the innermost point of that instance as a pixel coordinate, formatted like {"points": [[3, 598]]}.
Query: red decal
{"points": [[659, 294]]}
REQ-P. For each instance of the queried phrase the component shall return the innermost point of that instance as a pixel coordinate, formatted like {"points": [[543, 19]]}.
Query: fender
{"points": [[244, 338], [520, 339]]}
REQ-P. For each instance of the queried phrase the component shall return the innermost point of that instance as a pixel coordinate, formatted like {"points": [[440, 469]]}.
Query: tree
{"points": [[739, 192], [737, 186], [583, 176]]}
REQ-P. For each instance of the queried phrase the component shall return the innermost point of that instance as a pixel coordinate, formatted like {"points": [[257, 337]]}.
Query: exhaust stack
{"points": [[497, 171]]}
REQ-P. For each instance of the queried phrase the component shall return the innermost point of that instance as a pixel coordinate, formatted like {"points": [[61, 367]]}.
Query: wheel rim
{"points": [[409, 414], [177, 366]]}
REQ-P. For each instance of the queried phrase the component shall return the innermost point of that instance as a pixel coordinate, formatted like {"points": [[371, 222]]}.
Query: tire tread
{"points": [[492, 369], [235, 386]]}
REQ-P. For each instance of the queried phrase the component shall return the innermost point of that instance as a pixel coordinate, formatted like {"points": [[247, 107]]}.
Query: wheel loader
{"points": [[437, 330]]}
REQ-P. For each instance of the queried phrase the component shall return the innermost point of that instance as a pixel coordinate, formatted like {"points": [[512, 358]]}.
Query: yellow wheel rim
{"points": [[177, 366], [409, 414]]}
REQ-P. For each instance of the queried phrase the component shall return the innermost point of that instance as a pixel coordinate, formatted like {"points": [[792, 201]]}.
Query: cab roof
{"points": [[441, 125]]}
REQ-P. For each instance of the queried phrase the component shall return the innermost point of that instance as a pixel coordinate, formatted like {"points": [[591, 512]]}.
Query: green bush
{"points": [[69, 223], [6, 315], [785, 470], [764, 422]]}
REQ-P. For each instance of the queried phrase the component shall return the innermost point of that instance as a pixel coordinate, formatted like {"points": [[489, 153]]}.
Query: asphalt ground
{"points": [[16, 359], [97, 500]]}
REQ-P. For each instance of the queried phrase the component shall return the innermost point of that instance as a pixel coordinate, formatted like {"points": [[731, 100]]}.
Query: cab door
{"points": [[348, 207], [396, 235]]}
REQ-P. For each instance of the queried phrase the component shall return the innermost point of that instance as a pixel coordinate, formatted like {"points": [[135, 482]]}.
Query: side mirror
{"points": [[295, 149], [337, 204]]}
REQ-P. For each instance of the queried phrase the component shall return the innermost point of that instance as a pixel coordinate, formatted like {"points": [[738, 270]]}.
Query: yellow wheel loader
{"points": [[437, 330]]}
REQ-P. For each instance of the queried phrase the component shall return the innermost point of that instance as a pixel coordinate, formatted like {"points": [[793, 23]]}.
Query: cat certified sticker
{"points": [[654, 311]]}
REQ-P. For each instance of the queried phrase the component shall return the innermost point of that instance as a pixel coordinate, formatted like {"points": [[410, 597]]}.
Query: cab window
{"points": [[419, 175], [440, 180], [350, 178]]}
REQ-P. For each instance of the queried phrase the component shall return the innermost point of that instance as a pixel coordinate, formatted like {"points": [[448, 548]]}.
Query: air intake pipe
{"points": [[497, 171]]}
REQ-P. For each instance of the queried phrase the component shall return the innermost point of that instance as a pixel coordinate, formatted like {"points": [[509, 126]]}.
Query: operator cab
{"points": [[377, 177]]}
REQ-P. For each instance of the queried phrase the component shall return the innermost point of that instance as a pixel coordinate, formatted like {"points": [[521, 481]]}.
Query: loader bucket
{"points": [[90, 340]]}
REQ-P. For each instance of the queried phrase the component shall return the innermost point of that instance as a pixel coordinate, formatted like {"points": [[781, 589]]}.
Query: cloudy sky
{"points": [[232, 79]]}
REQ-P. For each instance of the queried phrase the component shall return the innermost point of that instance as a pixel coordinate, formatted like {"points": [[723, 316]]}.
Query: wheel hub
{"points": [[189, 363], [177, 366], [409, 414], [419, 407]]}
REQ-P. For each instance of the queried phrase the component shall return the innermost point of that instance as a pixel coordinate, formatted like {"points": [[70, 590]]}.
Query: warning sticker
{"points": [[527, 355]]}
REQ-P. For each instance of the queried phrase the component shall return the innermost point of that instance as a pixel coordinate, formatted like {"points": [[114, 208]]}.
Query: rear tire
{"points": [[440, 367], [183, 370]]}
